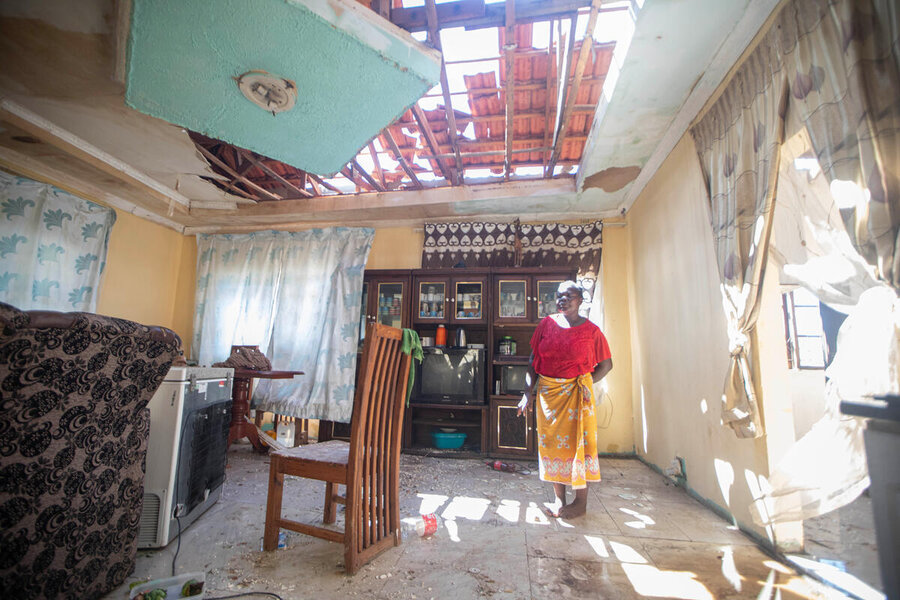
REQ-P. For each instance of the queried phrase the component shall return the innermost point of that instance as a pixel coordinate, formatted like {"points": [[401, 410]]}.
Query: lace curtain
{"points": [[52, 246], [297, 296]]}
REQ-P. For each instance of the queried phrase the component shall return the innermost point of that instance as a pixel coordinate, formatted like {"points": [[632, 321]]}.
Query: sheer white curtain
{"points": [[297, 296], [52, 246]]}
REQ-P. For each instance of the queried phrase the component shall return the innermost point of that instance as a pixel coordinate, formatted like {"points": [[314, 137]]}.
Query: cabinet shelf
{"points": [[443, 452], [447, 406], [505, 359], [448, 423]]}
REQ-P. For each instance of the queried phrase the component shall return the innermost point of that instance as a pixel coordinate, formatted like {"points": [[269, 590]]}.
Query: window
{"points": [[805, 339]]}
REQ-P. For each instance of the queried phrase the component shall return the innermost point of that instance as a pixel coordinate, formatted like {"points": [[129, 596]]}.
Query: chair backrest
{"points": [[374, 461]]}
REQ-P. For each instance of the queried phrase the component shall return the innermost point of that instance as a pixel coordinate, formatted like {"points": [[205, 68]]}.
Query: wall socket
{"points": [[676, 469]]}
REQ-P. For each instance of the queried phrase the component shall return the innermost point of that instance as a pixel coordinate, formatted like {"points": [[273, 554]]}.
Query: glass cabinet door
{"points": [[432, 299], [390, 304], [546, 297], [468, 299], [364, 314], [512, 299]]}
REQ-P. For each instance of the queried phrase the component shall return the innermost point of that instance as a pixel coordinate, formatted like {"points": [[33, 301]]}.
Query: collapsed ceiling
{"points": [[520, 140]]}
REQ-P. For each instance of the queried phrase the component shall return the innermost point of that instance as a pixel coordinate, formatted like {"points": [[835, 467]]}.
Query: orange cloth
{"points": [[567, 430]]}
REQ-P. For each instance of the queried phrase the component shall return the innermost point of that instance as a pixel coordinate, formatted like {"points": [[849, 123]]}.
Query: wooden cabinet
{"points": [[458, 298], [488, 304], [523, 297], [511, 435], [385, 299]]}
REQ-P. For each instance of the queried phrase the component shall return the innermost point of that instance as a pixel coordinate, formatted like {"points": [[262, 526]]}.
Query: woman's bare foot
{"points": [[573, 510], [559, 501], [576, 508]]}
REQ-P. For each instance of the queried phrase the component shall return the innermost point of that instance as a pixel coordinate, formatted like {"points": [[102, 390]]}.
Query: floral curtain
{"points": [[52, 246], [739, 141], [842, 58], [297, 296]]}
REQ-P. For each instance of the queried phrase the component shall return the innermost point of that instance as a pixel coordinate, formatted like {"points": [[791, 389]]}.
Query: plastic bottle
{"points": [[440, 336], [499, 465], [424, 525]]}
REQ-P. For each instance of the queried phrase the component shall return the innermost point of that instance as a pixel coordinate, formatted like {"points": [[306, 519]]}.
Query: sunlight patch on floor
{"points": [[649, 581]]}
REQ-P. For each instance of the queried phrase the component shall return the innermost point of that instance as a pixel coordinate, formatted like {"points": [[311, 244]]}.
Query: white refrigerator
{"points": [[190, 415]]}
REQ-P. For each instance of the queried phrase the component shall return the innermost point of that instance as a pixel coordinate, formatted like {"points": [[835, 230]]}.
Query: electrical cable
{"points": [[175, 494], [242, 594], [178, 545]]}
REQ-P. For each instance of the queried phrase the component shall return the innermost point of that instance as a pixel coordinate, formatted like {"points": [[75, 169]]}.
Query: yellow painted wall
{"points": [[143, 280], [679, 341], [396, 248], [615, 416]]}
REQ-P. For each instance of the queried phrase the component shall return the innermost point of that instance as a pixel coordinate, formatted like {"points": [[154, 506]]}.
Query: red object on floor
{"points": [[502, 466]]}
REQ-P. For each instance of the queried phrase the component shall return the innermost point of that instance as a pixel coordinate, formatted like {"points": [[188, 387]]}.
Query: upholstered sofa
{"points": [[74, 425]]}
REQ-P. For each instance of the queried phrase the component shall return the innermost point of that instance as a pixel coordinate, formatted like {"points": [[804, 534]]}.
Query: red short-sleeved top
{"points": [[567, 352]]}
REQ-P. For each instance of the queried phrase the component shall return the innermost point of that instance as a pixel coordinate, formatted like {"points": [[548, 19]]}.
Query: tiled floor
{"points": [[641, 538]]}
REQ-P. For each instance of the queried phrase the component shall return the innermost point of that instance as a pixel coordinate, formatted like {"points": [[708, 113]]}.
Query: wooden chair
{"points": [[368, 465]]}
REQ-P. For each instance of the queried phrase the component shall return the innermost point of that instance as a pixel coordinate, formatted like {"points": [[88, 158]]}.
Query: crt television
{"points": [[512, 379], [449, 376]]}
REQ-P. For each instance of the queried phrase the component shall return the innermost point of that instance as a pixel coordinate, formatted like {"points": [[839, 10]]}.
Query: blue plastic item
{"points": [[445, 440]]}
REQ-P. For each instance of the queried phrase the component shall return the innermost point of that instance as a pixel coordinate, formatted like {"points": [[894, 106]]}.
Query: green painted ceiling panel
{"points": [[354, 72]]}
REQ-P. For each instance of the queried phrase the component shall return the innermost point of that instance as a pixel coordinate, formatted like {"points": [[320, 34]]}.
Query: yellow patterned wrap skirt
{"points": [[567, 431]]}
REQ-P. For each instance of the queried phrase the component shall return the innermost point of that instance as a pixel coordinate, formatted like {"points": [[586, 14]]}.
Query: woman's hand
{"points": [[523, 403]]}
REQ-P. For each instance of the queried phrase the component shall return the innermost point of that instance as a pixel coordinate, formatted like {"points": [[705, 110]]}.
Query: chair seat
{"points": [[333, 452], [326, 461]]}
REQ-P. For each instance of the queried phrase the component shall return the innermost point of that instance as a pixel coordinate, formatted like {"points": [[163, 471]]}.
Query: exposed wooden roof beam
{"points": [[236, 164], [519, 115], [435, 36], [528, 85], [349, 174], [563, 62], [509, 48], [382, 7], [547, 103], [583, 54], [428, 134], [474, 14], [221, 185], [399, 157], [274, 174], [318, 180], [224, 166], [492, 153], [317, 191], [365, 175], [378, 170]]}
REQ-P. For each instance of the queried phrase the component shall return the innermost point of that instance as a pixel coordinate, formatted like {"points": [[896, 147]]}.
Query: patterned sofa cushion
{"points": [[73, 435]]}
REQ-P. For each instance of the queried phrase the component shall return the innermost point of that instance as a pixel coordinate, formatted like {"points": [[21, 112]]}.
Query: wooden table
{"points": [[241, 425]]}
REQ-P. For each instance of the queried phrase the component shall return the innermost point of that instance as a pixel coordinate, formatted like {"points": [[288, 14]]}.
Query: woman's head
{"points": [[569, 297]]}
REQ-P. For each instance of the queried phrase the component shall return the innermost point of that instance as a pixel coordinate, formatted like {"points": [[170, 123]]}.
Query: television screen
{"points": [[450, 375], [512, 379]]}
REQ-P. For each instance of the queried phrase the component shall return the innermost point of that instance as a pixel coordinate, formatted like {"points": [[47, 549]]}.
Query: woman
{"points": [[569, 354]]}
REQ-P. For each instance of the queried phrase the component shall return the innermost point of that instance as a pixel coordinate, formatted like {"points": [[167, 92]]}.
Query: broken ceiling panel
{"points": [[351, 71]]}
